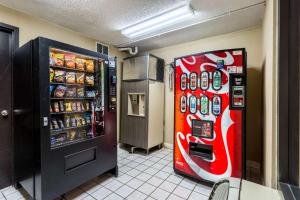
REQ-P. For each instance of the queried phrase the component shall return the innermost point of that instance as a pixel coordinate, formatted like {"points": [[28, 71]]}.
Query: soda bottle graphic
{"points": [[193, 104], [204, 105], [193, 81], [217, 80], [183, 81], [204, 80], [208, 130], [216, 105], [183, 104]]}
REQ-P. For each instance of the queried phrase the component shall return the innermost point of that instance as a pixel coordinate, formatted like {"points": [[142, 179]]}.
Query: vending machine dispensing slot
{"points": [[201, 150]]}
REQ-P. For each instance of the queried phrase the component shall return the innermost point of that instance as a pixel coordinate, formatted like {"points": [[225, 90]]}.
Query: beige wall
{"points": [[270, 93], [251, 40], [31, 27]]}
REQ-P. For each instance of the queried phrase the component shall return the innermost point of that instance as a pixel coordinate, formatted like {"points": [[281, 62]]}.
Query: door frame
{"points": [[14, 31]]}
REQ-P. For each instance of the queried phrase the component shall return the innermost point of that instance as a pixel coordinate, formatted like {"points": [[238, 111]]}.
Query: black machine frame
{"points": [[40, 170], [243, 112]]}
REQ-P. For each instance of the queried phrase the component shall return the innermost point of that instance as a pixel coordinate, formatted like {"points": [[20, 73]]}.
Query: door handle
{"points": [[4, 113]]}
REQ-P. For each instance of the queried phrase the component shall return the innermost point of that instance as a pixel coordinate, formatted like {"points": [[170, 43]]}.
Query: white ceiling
{"points": [[103, 19]]}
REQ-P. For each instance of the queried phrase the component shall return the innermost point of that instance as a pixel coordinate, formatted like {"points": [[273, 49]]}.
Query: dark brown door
{"points": [[8, 43]]}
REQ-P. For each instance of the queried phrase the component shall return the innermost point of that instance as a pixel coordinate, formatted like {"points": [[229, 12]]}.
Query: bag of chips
{"points": [[74, 107], [70, 61], [67, 122], [68, 107], [56, 107], [80, 78], [73, 122], [89, 79], [51, 74], [90, 93], [59, 76], [70, 77], [55, 124], [71, 92], [78, 106], [57, 59], [61, 106], [59, 91], [89, 65], [80, 92], [71, 135], [61, 124], [80, 63]]}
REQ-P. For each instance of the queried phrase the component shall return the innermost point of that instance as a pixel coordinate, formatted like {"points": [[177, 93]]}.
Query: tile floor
{"points": [[140, 177]]}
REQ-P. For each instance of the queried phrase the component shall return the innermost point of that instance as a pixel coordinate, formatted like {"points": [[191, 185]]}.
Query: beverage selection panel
{"points": [[76, 97]]}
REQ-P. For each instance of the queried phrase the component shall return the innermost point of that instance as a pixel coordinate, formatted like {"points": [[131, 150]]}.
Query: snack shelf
{"points": [[71, 69], [73, 98], [59, 131], [72, 84], [75, 112], [66, 143]]}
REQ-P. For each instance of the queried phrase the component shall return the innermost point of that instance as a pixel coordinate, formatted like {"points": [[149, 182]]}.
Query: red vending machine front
{"points": [[210, 103]]}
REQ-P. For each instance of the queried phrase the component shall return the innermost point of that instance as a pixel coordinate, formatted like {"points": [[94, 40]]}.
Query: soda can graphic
{"points": [[217, 80], [193, 81], [183, 81], [204, 105], [204, 80], [193, 104], [183, 104], [216, 105]]}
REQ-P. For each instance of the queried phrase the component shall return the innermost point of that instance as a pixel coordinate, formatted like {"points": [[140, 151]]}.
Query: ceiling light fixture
{"points": [[155, 23]]}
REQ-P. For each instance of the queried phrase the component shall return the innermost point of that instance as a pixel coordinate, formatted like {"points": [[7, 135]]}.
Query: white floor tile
{"points": [[124, 169], [90, 187], [8, 190], [101, 193], [158, 166], [140, 160], [133, 172], [174, 179], [189, 184], [146, 188], [174, 197], [197, 196], [163, 162], [135, 183], [154, 159], [124, 178], [14, 196], [168, 169], [113, 196], [155, 181], [124, 191], [160, 194], [151, 171], [182, 192], [136, 195], [168, 186], [113, 185], [132, 164], [141, 167], [148, 163], [88, 198], [162, 175], [203, 189], [143, 177]]}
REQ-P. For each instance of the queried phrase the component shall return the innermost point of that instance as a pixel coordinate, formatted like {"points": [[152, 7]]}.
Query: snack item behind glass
{"points": [[71, 92], [80, 63], [74, 108], [51, 89], [61, 124], [55, 124], [89, 79], [51, 74], [61, 106], [89, 65], [56, 107], [90, 94], [73, 122], [71, 135], [70, 61], [80, 92], [68, 107], [57, 59], [80, 78], [59, 76], [59, 91], [67, 121], [78, 104], [70, 77]]}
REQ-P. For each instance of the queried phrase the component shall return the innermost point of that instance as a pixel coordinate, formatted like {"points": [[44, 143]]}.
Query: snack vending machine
{"points": [[64, 117], [210, 105]]}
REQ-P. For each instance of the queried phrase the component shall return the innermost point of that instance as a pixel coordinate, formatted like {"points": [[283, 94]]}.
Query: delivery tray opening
{"points": [[201, 150]]}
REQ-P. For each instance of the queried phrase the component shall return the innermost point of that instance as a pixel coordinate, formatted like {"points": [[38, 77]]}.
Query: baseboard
{"points": [[168, 145]]}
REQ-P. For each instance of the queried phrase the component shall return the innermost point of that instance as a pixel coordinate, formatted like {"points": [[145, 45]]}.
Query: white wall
{"points": [[270, 93]]}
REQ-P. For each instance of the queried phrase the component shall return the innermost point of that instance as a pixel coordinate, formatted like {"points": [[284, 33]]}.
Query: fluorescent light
{"points": [[160, 21]]}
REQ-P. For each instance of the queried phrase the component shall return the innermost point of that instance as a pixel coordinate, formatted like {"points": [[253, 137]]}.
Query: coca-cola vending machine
{"points": [[210, 105]]}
